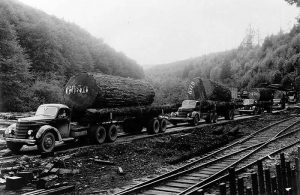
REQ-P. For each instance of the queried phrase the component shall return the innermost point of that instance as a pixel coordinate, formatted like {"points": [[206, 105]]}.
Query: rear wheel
{"points": [[14, 147], [46, 142], [112, 133], [97, 134], [163, 125], [153, 126]]}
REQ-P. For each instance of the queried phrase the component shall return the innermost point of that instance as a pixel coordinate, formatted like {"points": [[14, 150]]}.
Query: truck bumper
{"points": [[180, 119], [24, 141]]}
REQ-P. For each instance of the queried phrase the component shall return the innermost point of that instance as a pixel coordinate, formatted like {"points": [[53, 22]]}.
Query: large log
{"points": [[204, 89], [106, 91], [261, 94]]}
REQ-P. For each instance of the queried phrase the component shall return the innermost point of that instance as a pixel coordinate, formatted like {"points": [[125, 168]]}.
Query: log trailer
{"points": [[206, 100], [95, 106]]}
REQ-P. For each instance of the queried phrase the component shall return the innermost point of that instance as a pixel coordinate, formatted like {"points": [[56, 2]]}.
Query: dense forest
{"points": [[276, 60], [39, 53]]}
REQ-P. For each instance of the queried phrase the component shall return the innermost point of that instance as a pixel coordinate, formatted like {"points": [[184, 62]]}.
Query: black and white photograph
{"points": [[154, 97]]}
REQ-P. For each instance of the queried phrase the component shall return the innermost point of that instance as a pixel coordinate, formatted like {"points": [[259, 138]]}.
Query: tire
{"points": [[153, 126], [132, 126], [229, 115], [163, 125], [97, 134], [215, 118], [47, 142], [111, 133], [196, 120], [208, 118], [14, 147]]}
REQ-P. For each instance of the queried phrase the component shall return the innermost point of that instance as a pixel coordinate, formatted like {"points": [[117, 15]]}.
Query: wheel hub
{"points": [[48, 142]]}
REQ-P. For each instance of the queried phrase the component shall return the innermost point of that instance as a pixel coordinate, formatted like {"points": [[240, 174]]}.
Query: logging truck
{"points": [[206, 100], [258, 101], [96, 106]]}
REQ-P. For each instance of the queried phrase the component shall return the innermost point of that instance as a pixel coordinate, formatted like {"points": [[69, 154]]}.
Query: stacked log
{"points": [[106, 91], [204, 89], [261, 94]]}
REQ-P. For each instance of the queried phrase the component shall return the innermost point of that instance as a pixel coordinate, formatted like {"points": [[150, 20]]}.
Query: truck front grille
{"points": [[22, 129]]}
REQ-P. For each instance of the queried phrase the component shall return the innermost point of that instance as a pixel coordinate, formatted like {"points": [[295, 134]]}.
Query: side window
{"points": [[63, 113]]}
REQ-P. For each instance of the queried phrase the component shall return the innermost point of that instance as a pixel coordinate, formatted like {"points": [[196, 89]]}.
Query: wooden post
{"points": [[274, 185], [268, 182], [222, 188], [279, 180], [249, 191], [241, 190], [288, 174], [232, 184], [283, 170], [254, 183], [294, 183], [297, 169], [261, 177]]}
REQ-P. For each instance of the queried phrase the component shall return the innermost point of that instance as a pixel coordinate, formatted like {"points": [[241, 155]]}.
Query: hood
{"points": [[181, 109], [39, 118]]}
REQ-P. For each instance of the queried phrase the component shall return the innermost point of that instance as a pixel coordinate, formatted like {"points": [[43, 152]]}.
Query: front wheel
{"points": [[14, 147], [196, 120], [46, 142]]}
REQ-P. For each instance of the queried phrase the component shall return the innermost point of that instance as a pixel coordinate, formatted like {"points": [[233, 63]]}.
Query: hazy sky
{"points": [[161, 31]]}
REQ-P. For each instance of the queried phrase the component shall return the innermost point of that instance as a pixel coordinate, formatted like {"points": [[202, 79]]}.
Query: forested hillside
{"points": [[38, 53], [276, 60]]}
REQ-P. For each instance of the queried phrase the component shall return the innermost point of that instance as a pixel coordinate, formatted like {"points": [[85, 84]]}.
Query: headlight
{"points": [[10, 129], [189, 114], [173, 114], [30, 132]]}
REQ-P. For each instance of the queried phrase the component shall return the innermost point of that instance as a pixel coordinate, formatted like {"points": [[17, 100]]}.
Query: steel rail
{"points": [[179, 170]]}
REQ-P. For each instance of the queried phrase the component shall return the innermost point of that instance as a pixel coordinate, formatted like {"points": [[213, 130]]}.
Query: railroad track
{"points": [[241, 154]]}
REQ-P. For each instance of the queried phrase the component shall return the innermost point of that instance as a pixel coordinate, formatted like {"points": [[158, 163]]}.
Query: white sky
{"points": [[161, 31]]}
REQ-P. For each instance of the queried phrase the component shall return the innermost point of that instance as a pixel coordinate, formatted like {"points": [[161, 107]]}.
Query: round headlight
{"points": [[30, 132]]}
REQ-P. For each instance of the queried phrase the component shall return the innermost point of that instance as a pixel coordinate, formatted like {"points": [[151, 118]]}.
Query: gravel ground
{"points": [[143, 159]]}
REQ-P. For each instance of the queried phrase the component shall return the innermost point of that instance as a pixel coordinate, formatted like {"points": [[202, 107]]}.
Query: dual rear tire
{"points": [[155, 126], [99, 134]]}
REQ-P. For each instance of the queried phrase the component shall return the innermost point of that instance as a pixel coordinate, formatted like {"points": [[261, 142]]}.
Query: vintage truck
{"points": [[257, 101], [61, 123], [207, 100]]}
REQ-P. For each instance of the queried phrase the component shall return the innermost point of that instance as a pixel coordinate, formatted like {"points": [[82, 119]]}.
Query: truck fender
{"points": [[194, 113], [45, 128]]}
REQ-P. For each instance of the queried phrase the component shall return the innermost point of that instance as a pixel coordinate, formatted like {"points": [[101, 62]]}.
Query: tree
{"points": [[14, 75]]}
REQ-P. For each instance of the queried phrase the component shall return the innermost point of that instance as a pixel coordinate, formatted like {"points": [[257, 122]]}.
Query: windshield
{"points": [[248, 101], [189, 104], [46, 111]]}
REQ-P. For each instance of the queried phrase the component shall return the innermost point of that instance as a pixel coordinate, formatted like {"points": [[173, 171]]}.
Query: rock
{"points": [[218, 130], [120, 171], [234, 131]]}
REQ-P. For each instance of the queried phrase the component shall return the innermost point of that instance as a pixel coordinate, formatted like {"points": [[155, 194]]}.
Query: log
{"points": [[133, 111], [204, 89], [106, 91], [261, 94]]}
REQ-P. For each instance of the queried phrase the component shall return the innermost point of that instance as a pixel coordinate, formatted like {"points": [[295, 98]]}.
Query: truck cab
{"points": [[50, 123], [192, 111], [250, 107]]}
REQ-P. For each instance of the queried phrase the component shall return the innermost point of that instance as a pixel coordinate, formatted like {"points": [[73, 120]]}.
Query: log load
{"points": [[106, 91], [261, 94], [106, 114], [204, 89]]}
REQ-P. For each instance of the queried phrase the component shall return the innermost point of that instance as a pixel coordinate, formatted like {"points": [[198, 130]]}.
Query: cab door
{"points": [[63, 122]]}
